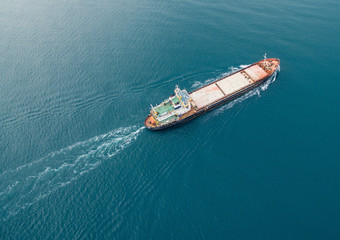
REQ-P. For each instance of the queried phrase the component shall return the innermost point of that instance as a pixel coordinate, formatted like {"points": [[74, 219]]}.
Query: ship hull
{"points": [[211, 106]]}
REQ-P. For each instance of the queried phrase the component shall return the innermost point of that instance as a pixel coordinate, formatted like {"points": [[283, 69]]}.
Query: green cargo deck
{"points": [[166, 107]]}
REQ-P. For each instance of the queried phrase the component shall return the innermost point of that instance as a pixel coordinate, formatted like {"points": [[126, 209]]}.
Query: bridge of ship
{"points": [[173, 107]]}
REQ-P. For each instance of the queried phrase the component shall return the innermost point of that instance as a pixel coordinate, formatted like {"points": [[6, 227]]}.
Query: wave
{"points": [[29, 183]]}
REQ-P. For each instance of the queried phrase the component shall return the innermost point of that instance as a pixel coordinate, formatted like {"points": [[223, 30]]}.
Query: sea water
{"points": [[77, 80]]}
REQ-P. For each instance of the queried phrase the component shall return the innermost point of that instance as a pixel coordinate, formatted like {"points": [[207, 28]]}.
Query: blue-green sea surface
{"points": [[76, 82]]}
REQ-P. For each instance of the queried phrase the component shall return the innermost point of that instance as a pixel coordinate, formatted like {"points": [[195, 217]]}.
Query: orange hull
{"points": [[222, 91]]}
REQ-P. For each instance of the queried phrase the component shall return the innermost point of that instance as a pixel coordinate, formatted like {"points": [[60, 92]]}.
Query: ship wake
{"points": [[29, 183]]}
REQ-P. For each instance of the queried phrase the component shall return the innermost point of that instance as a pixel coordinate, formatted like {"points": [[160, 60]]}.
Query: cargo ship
{"points": [[182, 106]]}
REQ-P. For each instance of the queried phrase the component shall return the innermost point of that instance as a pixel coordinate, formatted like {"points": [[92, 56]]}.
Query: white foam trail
{"points": [[29, 183]]}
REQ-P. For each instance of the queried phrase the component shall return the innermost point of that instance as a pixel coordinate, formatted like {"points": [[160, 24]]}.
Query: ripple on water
{"points": [[29, 183]]}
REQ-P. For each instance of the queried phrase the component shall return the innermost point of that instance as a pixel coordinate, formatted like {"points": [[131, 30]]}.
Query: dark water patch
{"points": [[71, 70]]}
